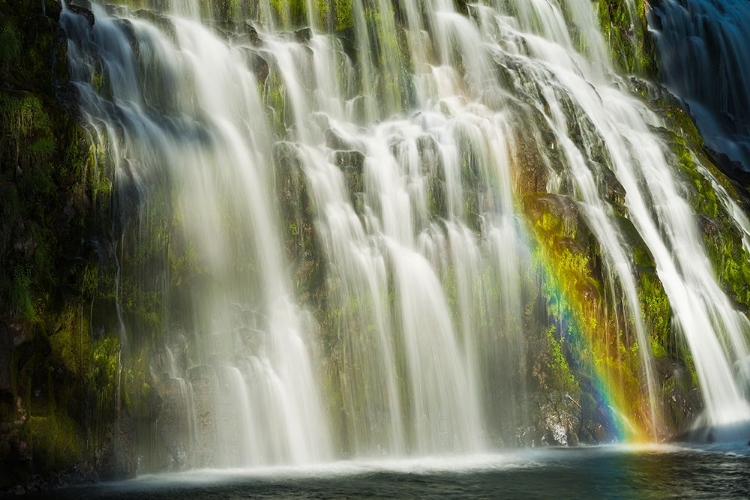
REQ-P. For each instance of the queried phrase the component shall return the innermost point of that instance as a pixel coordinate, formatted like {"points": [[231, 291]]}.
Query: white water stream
{"points": [[408, 153]]}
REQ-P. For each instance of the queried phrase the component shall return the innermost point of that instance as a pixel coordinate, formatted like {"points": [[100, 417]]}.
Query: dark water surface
{"points": [[605, 472]]}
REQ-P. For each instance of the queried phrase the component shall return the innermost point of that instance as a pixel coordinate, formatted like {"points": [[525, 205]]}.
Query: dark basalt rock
{"points": [[252, 34], [82, 4], [562, 207], [68, 97], [303, 36], [733, 169], [164, 23], [83, 8], [335, 140], [352, 165], [259, 67], [613, 190], [350, 160], [127, 27]]}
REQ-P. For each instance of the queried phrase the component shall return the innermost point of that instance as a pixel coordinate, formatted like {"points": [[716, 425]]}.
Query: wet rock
{"points": [[25, 246], [610, 186], [350, 160], [83, 4], [164, 23], [681, 399], [60, 64], [202, 380], [173, 425], [252, 34], [709, 227], [732, 168], [337, 141], [290, 179], [429, 154], [116, 458], [68, 97], [300, 239], [259, 66], [535, 149], [126, 26], [21, 451], [563, 208], [201, 374], [596, 420], [6, 352], [560, 422], [83, 8], [352, 164], [495, 99], [303, 35], [556, 422], [348, 39], [594, 433], [432, 168]]}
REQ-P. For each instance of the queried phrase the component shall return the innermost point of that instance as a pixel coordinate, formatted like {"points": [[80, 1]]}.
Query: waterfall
{"points": [[196, 146], [339, 216], [703, 51]]}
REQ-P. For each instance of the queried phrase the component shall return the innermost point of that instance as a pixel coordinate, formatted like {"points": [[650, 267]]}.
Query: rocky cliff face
{"points": [[57, 374], [75, 405]]}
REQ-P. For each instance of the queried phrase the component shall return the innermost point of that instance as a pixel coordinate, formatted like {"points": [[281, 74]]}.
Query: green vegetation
{"points": [[588, 340], [54, 439], [10, 45], [625, 29], [54, 200], [562, 378], [698, 173]]}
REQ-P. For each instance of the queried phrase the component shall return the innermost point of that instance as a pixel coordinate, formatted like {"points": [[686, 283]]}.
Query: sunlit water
{"points": [[607, 472], [413, 186]]}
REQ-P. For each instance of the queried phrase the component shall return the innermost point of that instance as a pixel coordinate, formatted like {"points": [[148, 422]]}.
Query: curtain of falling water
{"points": [[408, 152], [703, 48], [178, 114]]}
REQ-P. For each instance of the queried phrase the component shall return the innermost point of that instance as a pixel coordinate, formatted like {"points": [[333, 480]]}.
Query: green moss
{"points": [[343, 13], [71, 343], [140, 399], [54, 440], [52, 274], [102, 379], [290, 14], [656, 309], [657, 350], [563, 378], [23, 116], [625, 29], [698, 173], [588, 337], [20, 302], [731, 261], [10, 45]]}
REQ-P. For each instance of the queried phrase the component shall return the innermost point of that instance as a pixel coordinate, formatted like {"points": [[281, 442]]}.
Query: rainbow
{"points": [[589, 338]]}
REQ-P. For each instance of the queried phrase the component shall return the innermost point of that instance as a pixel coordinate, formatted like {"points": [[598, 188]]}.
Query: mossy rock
{"points": [[631, 46], [701, 178], [55, 441]]}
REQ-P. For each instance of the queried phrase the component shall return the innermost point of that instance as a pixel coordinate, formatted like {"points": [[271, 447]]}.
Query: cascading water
{"points": [[196, 145], [403, 147], [704, 58]]}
